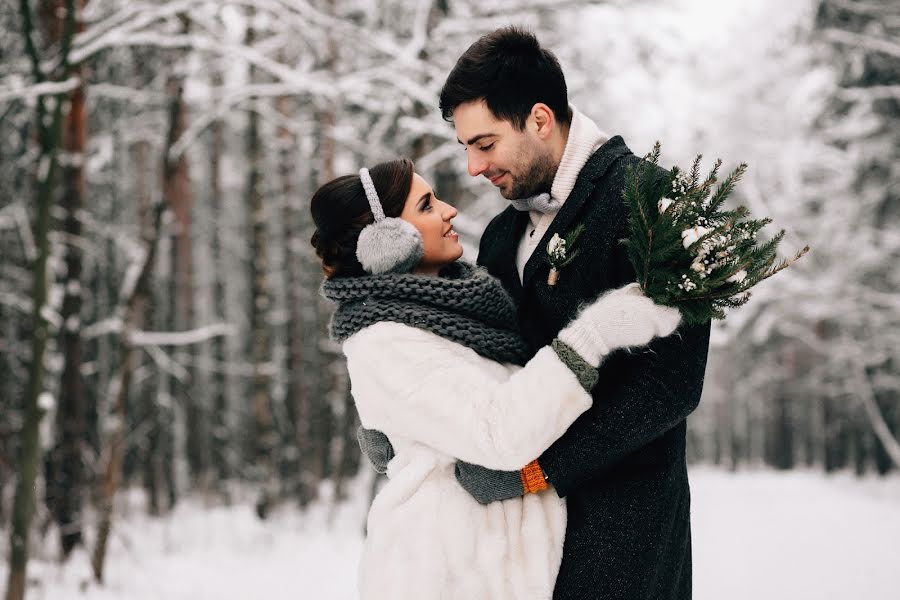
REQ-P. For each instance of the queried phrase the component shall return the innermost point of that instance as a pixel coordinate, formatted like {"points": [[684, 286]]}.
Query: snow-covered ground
{"points": [[795, 536], [756, 535]]}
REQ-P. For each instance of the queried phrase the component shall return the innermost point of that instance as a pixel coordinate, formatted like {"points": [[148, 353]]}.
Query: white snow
{"points": [[755, 535], [46, 401], [797, 536], [182, 338], [73, 323]]}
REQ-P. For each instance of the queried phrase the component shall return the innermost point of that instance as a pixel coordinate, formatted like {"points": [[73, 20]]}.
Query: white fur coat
{"points": [[439, 401]]}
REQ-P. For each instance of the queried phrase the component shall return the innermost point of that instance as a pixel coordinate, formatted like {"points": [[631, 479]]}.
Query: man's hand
{"points": [[376, 447], [488, 486]]}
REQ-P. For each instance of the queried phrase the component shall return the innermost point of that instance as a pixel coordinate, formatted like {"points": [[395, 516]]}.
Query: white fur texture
{"points": [[622, 318], [389, 246], [438, 401]]}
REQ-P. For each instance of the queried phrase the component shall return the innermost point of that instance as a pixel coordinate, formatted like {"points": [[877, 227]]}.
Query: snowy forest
{"points": [[163, 340]]}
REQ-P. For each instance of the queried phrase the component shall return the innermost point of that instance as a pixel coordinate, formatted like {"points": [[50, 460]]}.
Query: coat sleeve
{"points": [[640, 396], [411, 383]]}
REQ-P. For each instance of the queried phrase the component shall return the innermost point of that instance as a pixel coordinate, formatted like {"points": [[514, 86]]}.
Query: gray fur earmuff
{"points": [[390, 244]]}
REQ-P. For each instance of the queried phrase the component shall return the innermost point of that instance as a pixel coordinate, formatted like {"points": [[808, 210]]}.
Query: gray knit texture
{"points": [[586, 372], [488, 486], [464, 304]]}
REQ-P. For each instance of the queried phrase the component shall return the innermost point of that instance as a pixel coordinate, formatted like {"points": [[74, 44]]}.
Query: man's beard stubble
{"points": [[533, 179]]}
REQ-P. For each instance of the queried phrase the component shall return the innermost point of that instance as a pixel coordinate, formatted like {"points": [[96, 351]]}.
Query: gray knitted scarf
{"points": [[464, 305]]}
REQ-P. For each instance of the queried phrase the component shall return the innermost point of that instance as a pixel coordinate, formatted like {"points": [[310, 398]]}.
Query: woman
{"points": [[436, 363]]}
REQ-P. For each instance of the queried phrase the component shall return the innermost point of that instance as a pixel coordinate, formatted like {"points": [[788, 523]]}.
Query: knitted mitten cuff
{"points": [[533, 478], [584, 371]]}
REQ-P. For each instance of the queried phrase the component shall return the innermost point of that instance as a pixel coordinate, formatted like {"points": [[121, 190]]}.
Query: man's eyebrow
{"points": [[426, 196], [476, 138]]}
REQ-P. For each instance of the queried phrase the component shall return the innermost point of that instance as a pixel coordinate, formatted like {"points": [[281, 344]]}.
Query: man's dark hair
{"points": [[511, 72]]}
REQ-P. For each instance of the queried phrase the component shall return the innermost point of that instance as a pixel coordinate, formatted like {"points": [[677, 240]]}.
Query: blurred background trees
{"points": [[158, 158]]}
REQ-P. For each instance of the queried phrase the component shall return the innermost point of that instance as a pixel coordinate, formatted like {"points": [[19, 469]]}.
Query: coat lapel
{"points": [[594, 169], [501, 260]]}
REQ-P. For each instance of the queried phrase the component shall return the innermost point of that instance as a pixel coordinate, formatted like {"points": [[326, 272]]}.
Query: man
{"points": [[621, 466]]}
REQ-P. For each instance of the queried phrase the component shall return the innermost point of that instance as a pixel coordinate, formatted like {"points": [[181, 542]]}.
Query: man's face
{"points": [[519, 163]]}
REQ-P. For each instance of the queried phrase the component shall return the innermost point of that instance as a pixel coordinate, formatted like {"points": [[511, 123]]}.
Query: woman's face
{"points": [[432, 218]]}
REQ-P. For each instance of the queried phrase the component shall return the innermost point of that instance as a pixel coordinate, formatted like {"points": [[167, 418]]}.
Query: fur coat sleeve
{"points": [[414, 385]]}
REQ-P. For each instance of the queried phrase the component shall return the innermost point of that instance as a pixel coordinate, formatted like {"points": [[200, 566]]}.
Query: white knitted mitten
{"points": [[621, 318]]}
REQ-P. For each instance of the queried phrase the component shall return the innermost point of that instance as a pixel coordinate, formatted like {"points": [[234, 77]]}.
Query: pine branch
{"points": [[786, 263], [688, 252], [726, 187]]}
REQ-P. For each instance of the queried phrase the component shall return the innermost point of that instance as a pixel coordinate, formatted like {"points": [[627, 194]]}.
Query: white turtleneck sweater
{"points": [[584, 139]]}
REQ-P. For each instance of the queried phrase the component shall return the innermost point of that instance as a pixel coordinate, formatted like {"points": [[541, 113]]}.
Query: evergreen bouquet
{"points": [[687, 251]]}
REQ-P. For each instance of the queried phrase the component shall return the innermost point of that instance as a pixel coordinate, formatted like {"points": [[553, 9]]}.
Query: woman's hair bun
{"points": [[341, 211]]}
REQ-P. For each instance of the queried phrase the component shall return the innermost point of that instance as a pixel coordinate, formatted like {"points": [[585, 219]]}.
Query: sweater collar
{"points": [[584, 139]]}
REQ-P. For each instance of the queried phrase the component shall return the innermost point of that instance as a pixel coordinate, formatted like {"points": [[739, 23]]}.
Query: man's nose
{"points": [[477, 165]]}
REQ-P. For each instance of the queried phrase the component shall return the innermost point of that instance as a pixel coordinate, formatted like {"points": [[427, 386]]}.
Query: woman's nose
{"points": [[449, 212]]}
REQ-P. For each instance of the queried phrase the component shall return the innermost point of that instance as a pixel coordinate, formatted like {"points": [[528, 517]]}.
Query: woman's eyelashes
{"points": [[426, 203]]}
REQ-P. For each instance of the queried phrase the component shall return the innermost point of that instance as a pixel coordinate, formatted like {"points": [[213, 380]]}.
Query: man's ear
{"points": [[543, 120]]}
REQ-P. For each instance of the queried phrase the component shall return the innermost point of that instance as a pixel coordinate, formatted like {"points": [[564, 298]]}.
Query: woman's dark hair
{"points": [[509, 70], [341, 211]]}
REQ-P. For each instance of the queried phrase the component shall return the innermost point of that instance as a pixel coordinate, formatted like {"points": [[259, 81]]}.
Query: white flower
{"points": [[689, 236], [664, 203], [686, 284], [738, 277], [680, 184], [557, 247]]}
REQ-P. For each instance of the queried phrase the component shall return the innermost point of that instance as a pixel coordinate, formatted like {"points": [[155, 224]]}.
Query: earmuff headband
{"points": [[371, 194]]}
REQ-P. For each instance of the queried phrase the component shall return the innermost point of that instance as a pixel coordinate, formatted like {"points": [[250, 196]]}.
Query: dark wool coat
{"points": [[621, 466]]}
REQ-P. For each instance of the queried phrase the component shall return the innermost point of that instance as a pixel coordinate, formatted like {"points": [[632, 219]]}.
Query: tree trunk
{"points": [[219, 436], [65, 491], [264, 436], [866, 395], [348, 463], [321, 416], [49, 126], [147, 396], [296, 396], [114, 449], [177, 189]]}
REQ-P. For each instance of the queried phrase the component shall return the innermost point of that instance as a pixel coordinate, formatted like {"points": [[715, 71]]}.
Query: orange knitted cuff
{"points": [[533, 478]]}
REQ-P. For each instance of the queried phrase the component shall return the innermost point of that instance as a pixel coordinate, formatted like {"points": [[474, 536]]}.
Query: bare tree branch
{"points": [[859, 40], [875, 92]]}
